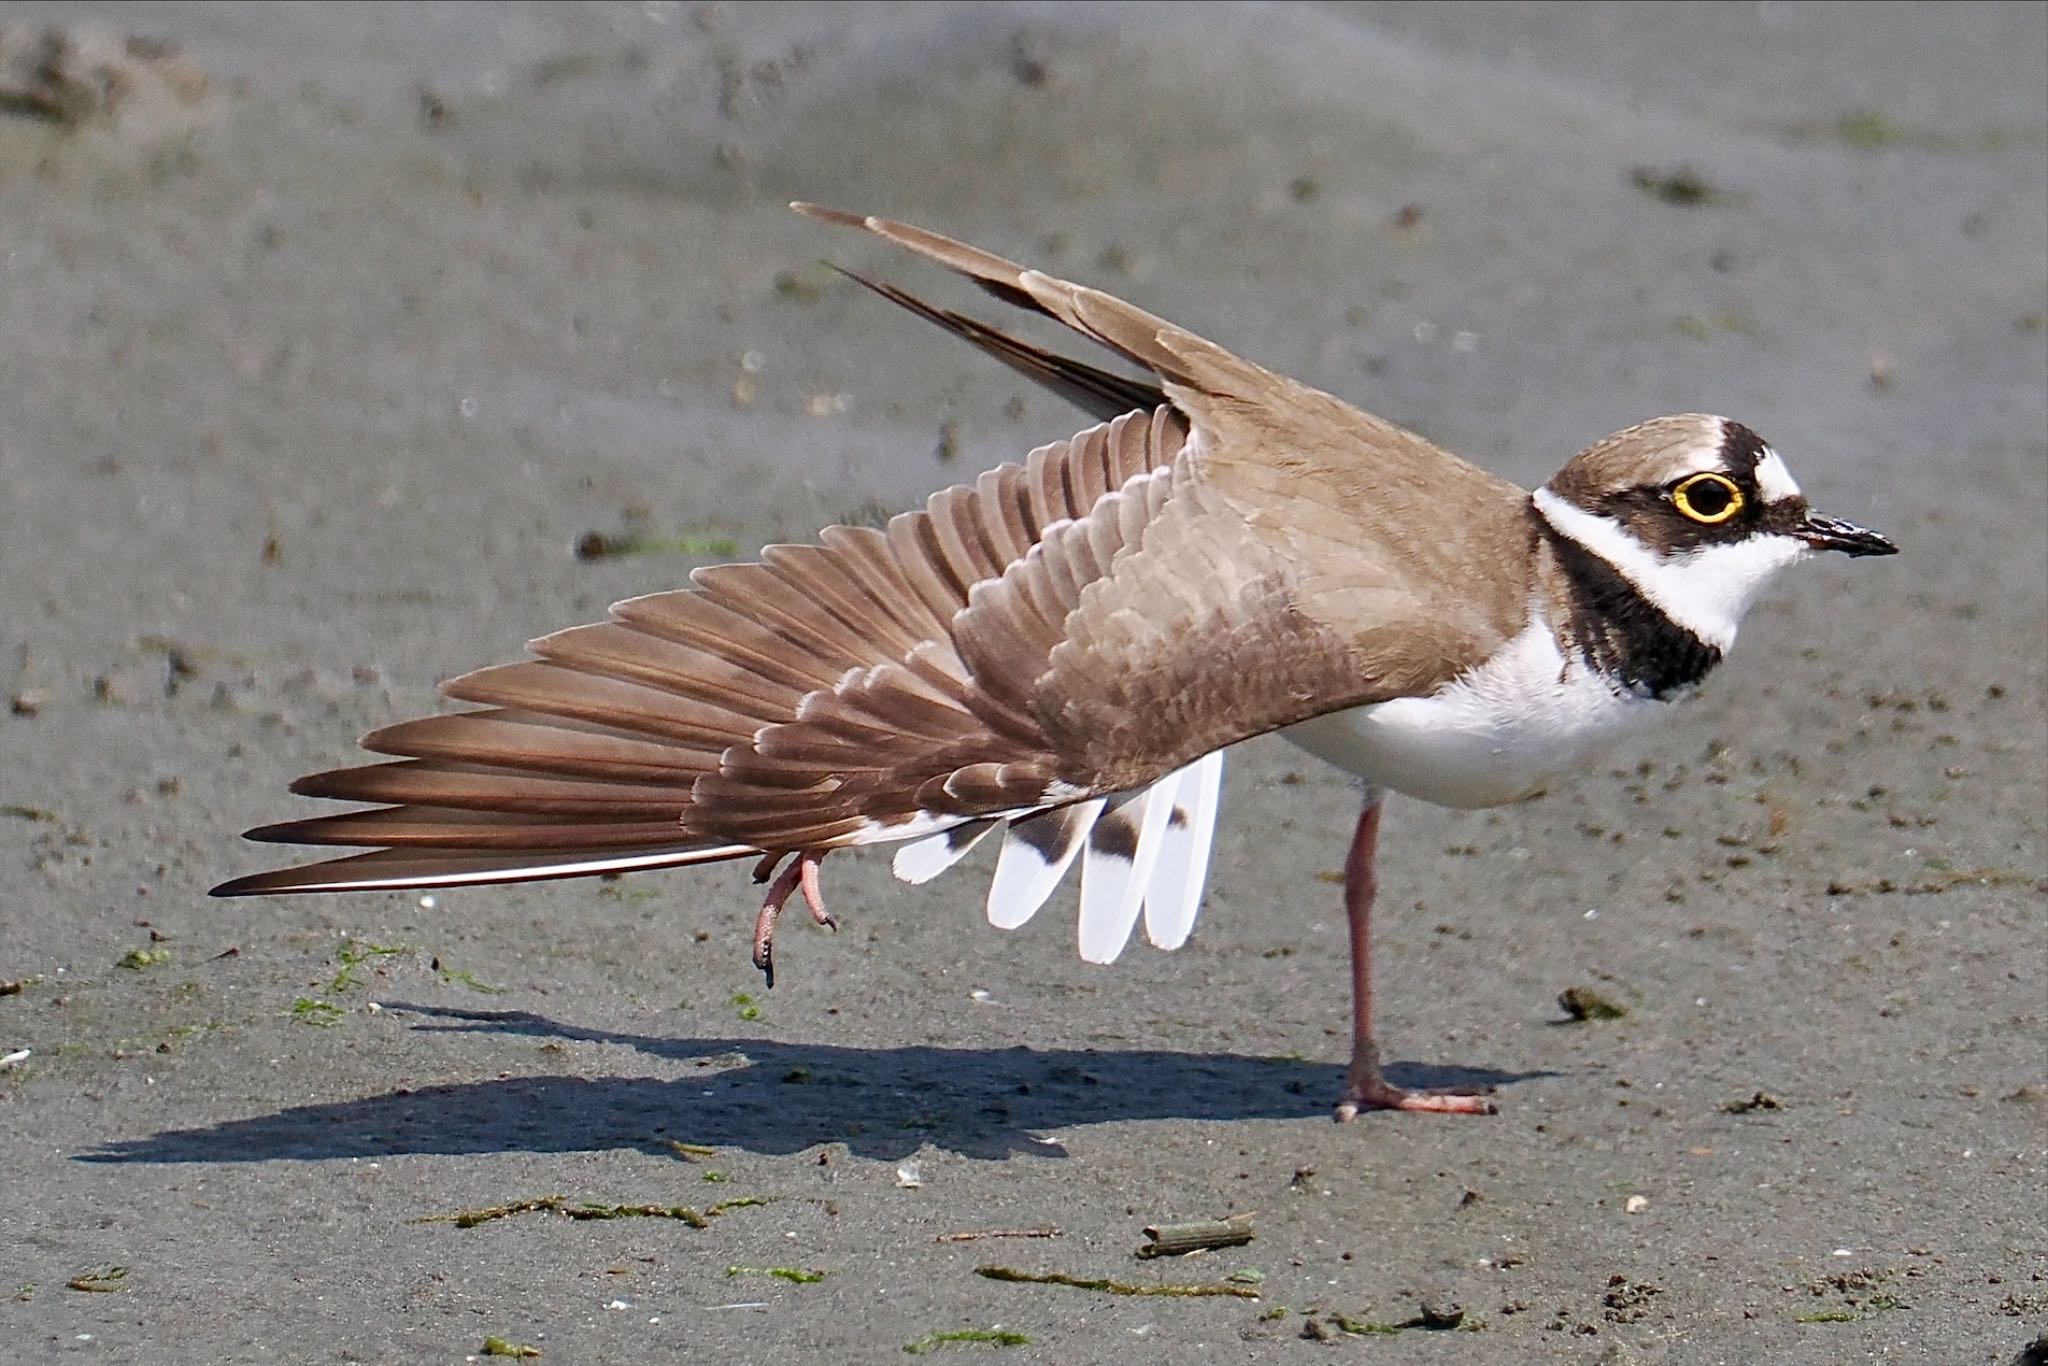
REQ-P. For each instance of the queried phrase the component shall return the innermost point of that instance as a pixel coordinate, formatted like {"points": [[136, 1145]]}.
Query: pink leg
{"points": [[801, 873], [1364, 1087]]}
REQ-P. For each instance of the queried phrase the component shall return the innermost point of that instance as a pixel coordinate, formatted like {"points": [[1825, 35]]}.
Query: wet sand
{"points": [[332, 335]]}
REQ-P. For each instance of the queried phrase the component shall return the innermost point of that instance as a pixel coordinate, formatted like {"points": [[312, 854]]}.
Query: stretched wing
{"points": [[1090, 624], [800, 702]]}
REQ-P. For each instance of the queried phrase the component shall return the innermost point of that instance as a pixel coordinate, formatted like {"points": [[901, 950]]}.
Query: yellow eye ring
{"points": [[1709, 499]]}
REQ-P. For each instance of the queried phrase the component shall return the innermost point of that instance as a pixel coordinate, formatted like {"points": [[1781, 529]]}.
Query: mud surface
{"points": [[329, 334]]}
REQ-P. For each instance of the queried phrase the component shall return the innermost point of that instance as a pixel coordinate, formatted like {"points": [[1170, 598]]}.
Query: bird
{"points": [[1062, 650]]}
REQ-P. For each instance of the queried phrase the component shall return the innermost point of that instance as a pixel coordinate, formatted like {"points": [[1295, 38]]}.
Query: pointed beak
{"points": [[1832, 533]]}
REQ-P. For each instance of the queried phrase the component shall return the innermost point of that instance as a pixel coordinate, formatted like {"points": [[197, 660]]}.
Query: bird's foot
{"points": [[1366, 1089], [801, 873]]}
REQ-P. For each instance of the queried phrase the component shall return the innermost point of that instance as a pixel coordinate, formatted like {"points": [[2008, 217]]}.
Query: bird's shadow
{"points": [[770, 1097]]}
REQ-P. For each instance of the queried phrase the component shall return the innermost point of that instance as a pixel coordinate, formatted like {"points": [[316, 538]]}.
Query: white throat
{"points": [[1705, 590]]}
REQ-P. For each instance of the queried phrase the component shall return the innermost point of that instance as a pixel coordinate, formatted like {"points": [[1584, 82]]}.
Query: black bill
{"points": [[1832, 533]]}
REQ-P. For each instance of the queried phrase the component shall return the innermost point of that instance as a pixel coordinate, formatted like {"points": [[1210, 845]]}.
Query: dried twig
{"points": [[105, 1281], [1005, 1273], [559, 1204], [691, 1151], [998, 1337], [795, 1275], [1176, 1240], [972, 1234]]}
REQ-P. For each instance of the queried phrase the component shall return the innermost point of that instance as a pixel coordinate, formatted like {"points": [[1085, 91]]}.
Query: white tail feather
{"points": [[1149, 856], [1037, 851], [924, 859], [1174, 897], [1122, 851]]}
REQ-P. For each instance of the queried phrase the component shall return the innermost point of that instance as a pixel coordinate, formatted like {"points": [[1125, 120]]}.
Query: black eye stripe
{"points": [[1650, 513]]}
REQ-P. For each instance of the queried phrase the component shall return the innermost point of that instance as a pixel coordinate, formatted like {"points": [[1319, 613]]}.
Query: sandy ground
{"points": [[326, 339]]}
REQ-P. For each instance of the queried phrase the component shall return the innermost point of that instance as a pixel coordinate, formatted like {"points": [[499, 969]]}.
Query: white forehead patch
{"points": [[1773, 481]]}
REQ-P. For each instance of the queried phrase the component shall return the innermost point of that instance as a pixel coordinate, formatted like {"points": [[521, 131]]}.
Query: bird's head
{"points": [[1697, 512]]}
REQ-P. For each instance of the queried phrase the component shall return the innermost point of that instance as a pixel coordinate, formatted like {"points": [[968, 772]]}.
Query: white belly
{"points": [[1495, 735]]}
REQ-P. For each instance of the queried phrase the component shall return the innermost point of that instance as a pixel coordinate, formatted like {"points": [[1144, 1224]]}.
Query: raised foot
{"points": [[802, 873]]}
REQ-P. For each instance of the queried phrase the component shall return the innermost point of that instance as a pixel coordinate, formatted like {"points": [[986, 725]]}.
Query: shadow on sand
{"points": [[769, 1097]]}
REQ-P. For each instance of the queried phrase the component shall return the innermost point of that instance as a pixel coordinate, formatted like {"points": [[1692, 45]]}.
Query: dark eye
{"points": [[1709, 499]]}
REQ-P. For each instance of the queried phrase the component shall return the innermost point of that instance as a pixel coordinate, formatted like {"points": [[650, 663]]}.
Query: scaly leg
{"points": [[1364, 1087], [801, 873]]}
